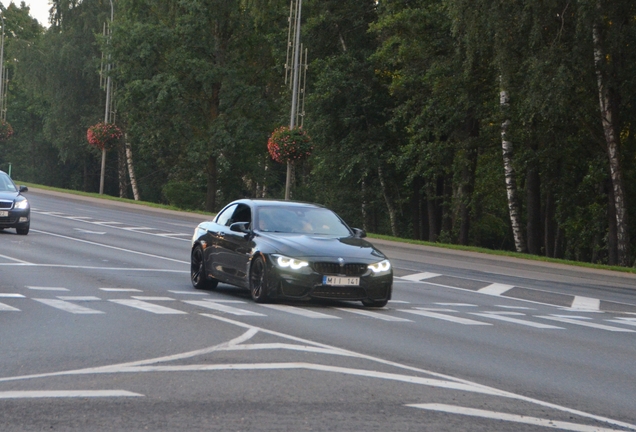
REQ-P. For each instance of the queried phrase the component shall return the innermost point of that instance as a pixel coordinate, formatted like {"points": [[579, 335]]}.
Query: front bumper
{"points": [[17, 218], [309, 284]]}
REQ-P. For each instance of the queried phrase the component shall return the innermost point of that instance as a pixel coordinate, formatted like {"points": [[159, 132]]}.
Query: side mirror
{"points": [[23, 189], [359, 233], [241, 227]]}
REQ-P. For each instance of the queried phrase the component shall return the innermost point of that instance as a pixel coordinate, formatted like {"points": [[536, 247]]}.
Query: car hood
{"points": [[316, 247], [8, 196]]}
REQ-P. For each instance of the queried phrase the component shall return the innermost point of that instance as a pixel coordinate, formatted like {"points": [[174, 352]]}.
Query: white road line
{"points": [[516, 321], [534, 421], [7, 308], [79, 298], [456, 304], [41, 288], [495, 289], [375, 315], [89, 232], [65, 394], [300, 311], [399, 301], [14, 259], [111, 247], [222, 308], [11, 295], [148, 307], [515, 307], [68, 307], [419, 276], [586, 324], [136, 228], [451, 318], [121, 289], [189, 292], [151, 298], [107, 223], [225, 301], [586, 303], [626, 321]]}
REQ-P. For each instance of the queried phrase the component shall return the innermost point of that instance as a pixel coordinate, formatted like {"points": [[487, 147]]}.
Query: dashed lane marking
{"points": [[444, 317], [516, 321], [222, 308], [375, 315], [148, 307], [420, 276], [42, 288], [300, 311], [495, 289], [586, 303], [586, 324], [65, 394]]}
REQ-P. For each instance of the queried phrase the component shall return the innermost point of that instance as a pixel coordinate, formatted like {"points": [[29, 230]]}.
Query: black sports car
{"points": [[284, 249], [14, 207]]}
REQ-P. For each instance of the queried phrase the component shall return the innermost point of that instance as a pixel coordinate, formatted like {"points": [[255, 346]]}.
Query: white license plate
{"points": [[4, 213], [340, 281]]}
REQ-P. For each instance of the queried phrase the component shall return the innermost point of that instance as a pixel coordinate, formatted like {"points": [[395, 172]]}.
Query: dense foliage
{"points": [[498, 123]]}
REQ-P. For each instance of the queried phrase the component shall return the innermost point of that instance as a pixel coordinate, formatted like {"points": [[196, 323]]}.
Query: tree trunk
{"points": [[533, 209], [612, 242], [548, 225], [612, 140], [210, 197], [121, 170], [431, 207], [364, 204], [511, 181], [390, 205], [131, 168]]}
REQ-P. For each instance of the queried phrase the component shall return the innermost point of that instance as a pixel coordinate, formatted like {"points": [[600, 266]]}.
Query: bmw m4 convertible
{"points": [[292, 250]]}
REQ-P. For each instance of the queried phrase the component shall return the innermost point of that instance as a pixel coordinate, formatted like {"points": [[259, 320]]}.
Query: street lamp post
{"points": [[107, 109], [296, 69]]}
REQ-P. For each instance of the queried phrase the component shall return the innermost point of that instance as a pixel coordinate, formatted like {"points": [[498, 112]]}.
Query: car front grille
{"points": [[327, 268], [6, 204]]}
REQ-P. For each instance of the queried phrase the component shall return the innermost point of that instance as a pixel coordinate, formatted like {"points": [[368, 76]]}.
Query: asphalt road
{"points": [[100, 329]]}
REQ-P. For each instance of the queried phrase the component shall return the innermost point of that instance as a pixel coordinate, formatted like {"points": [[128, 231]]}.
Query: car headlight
{"points": [[382, 266], [23, 204], [289, 263]]}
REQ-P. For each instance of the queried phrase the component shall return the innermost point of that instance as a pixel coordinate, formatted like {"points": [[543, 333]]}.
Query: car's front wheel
{"points": [[198, 274], [258, 280]]}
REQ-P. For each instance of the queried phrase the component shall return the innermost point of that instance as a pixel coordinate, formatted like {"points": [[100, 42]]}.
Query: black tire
{"points": [[198, 274], [23, 230], [374, 303], [258, 280]]}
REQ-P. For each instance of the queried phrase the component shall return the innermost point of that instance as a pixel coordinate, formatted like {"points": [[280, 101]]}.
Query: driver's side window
{"points": [[225, 217]]}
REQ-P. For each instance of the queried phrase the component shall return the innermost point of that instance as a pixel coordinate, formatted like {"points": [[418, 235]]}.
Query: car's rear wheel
{"points": [[374, 303], [198, 274], [23, 230], [258, 280]]}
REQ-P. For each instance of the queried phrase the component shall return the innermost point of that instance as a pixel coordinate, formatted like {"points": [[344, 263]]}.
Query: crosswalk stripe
{"points": [[451, 318], [516, 321], [222, 308], [68, 306], [148, 307], [6, 308], [586, 324], [375, 315], [420, 276], [495, 289], [299, 311]]}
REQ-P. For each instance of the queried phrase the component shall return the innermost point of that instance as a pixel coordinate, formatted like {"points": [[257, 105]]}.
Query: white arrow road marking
{"points": [[300, 311], [500, 317], [553, 424], [148, 307], [7, 308], [222, 308], [586, 324], [66, 394], [451, 318], [68, 307]]}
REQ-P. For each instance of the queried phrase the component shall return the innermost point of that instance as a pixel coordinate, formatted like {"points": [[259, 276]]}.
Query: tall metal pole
{"points": [[292, 119], [2, 70], [107, 109]]}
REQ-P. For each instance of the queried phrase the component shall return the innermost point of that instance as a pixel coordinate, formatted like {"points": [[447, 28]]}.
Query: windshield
{"points": [[305, 220], [6, 185]]}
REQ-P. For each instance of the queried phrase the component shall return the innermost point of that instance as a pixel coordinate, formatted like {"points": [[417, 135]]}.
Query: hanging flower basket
{"points": [[287, 145], [6, 131], [103, 135]]}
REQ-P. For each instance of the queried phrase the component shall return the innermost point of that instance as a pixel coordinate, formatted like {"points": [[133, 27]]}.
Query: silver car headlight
{"points": [[289, 263], [23, 204], [381, 267]]}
